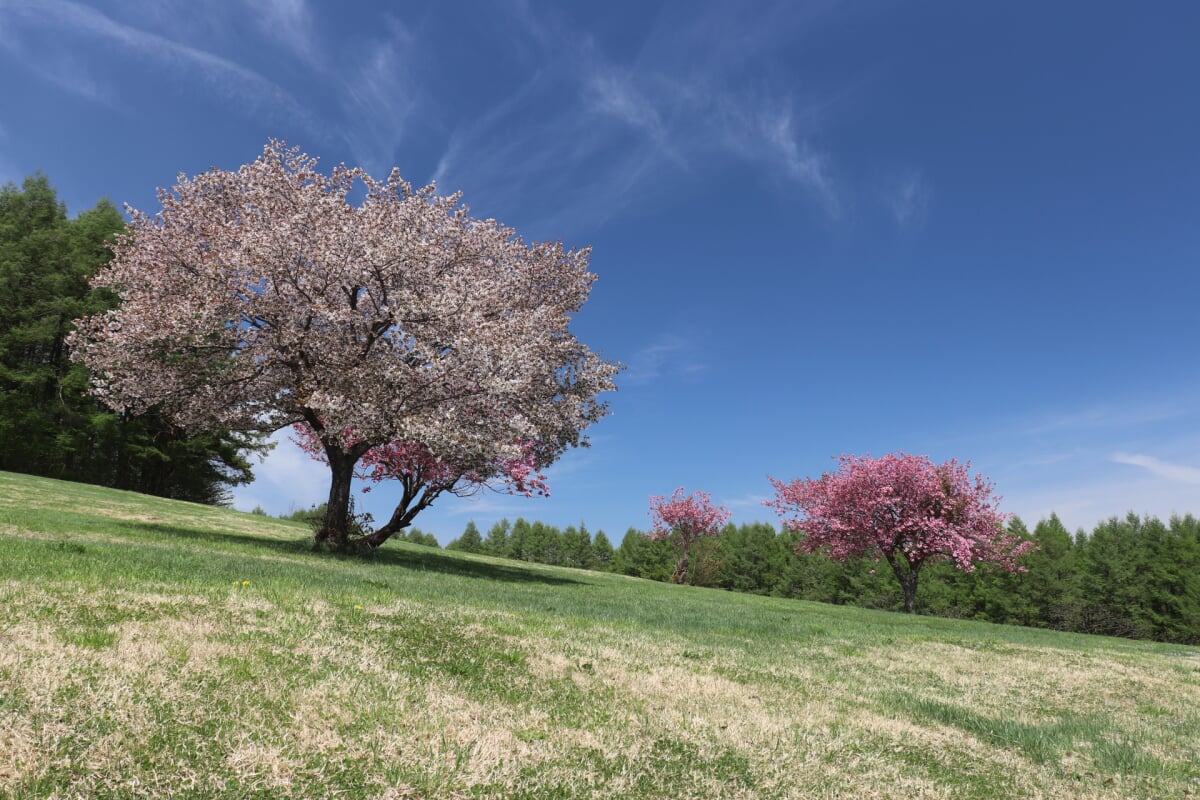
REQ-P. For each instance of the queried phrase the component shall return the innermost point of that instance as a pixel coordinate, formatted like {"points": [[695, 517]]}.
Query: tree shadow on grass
{"points": [[433, 560], [414, 557]]}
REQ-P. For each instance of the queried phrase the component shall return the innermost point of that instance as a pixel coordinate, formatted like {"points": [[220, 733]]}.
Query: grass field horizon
{"points": [[152, 648]]}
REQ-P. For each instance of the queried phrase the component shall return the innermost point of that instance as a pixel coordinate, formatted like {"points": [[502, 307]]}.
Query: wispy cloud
{"points": [[1179, 473], [1103, 417], [907, 199], [750, 501], [289, 22], [53, 23], [1084, 501], [670, 356], [485, 504], [636, 120], [379, 98], [614, 93], [8, 170], [766, 133]]}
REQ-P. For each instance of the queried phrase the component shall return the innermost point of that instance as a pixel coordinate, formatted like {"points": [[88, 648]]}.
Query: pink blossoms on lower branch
{"points": [[904, 509], [686, 518], [420, 471]]}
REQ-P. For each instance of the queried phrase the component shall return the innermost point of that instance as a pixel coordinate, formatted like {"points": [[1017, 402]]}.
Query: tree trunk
{"points": [[681, 568], [335, 530], [416, 498], [910, 593], [908, 581], [338, 526]]}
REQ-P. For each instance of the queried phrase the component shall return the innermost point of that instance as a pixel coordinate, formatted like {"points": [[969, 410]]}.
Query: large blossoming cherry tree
{"points": [[400, 336], [904, 509]]}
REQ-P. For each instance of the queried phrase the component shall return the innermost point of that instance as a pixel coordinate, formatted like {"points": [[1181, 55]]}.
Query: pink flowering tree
{"points": [[685, 519], [904, 509], [409, 340]]}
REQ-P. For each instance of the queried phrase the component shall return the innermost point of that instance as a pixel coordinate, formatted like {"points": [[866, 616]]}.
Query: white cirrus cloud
{"points": [[634, 118], [1179, 473], [751, 501], [671, 355], [289, 22], [907, 199], [54, 28], [380, 96]]}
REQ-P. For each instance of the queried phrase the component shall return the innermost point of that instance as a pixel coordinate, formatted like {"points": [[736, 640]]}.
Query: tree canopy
{"points": [[904, 509], [262, 297]]}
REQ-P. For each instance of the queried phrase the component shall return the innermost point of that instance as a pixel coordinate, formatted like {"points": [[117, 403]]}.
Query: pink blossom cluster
{"points": [[415, 462], [900, 506], [688, 516]]}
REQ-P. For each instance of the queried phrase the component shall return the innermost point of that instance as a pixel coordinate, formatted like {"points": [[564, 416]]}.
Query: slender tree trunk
{"points": [[377, 538], [681, 565], [908, 581], [416, 498], [910, 594]]}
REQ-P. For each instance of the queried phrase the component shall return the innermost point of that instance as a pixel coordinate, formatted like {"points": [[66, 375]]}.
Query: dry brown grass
{"points": [[159, 676]]}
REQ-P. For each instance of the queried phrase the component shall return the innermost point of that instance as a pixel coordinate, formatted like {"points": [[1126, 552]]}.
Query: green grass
{"points": [[158, 649]]}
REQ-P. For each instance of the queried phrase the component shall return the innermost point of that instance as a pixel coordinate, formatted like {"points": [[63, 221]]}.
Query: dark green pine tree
{"points": [[643, 557], [602, 550], [1050, 584], [518, 541], [752, 558], [1112, 592], [577, 547], [1179, 592], [543, 544], [49, 425], [418, 536], [469, 542], [497, 542]]}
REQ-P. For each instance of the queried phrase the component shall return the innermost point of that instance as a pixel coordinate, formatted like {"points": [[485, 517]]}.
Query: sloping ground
{"points": [[150, 648]]}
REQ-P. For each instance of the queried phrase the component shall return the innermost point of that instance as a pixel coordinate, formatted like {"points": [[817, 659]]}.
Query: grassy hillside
{"points": [[150, 648]]}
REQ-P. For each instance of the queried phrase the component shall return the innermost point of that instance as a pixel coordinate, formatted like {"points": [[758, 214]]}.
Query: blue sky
{"points": [[946, 228]]}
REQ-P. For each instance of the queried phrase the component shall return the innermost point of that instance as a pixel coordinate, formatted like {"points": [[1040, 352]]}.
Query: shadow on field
{"points": [[416, 558], [438, 561]]}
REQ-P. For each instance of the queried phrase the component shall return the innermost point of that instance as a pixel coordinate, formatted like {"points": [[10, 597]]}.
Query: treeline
{"points": [[1136, 577], [49, 424], [540, 543]]}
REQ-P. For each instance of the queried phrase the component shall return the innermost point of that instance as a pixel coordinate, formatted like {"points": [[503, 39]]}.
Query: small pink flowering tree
{"points": [[904, 509], [686, 518], [397, 329]]}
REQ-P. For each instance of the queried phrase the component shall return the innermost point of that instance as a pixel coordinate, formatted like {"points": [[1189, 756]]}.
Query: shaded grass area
{"points": [[1110, 751], [159, 649]]}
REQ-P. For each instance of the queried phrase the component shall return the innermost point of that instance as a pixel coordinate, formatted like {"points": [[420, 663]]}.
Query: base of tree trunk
{"points": [[342, 542]]}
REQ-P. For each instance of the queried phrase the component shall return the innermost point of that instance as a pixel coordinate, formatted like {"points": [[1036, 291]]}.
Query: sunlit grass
{"points": [[159, 649]]}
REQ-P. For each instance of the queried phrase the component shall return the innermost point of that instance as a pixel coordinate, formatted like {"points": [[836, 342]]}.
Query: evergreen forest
{"points": [[1136, 577], [49, 424]]}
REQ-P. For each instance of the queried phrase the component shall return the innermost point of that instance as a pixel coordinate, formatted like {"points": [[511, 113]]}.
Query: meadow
{"points": [[153, 648]]}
